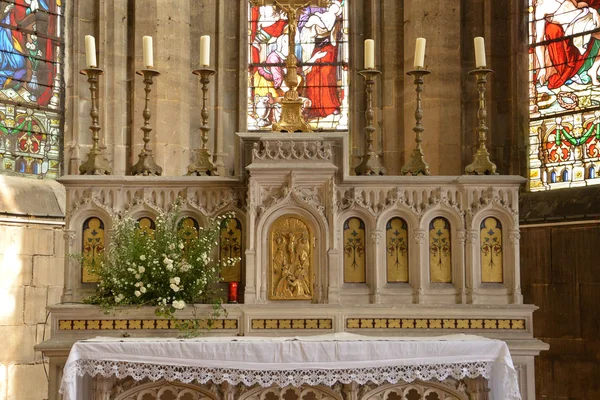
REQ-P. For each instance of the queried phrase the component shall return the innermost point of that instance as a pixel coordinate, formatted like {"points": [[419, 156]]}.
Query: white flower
{"points": [[137, 276], [143, 289], [185, 267], [169, 267], [178, 304], [172, 246], [137, 293], [168, 261], [141, 270], [121, 296], [143, 257], [175, 280], [174, 287], [181, 246], [137, 284], [205, 258]]}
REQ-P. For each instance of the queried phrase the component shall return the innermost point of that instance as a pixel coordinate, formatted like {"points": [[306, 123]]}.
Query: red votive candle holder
{"points": [[233, 292]]}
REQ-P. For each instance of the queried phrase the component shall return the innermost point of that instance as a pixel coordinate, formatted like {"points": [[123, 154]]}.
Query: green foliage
{"points": [[160, 268]]}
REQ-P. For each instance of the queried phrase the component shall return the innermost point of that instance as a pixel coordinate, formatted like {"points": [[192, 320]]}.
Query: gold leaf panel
{"points": [[440, 254], [230, 246], [354, 251], [291, 260], [188, 229], [92, 248], [396, 240], [147, 225], [491, 250]]}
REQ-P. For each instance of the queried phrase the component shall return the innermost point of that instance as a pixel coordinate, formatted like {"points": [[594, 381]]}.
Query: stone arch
{"points": [[318, 392], [416, 390], [163, 390]]}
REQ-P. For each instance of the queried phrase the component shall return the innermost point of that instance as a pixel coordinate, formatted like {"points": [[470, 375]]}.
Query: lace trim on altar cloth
{"points": [[282, 378]]}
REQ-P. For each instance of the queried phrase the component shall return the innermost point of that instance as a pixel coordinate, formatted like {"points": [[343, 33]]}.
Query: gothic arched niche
{"points": [[93, 243], [163, 390], [291, 259], [440, 251]]}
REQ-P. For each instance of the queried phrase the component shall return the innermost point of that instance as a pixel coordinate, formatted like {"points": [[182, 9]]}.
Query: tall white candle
{"points": [[420, 53], [148, 55], [369, 54], [479, 52], [204, 51], [90, 51]]}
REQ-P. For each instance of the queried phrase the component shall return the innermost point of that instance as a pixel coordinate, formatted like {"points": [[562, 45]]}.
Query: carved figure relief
{"points": [[354, 251], [92, 247], [396, 235], [440, 254], [291, 260], [491, 250], [230, 246]]}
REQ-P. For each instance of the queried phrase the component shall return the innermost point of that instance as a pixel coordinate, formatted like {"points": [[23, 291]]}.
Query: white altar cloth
{"points": [[313, 360]]}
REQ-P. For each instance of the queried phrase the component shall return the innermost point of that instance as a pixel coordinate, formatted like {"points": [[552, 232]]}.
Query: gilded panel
{"points": [[440, 254], [93, 247], [396, 236], [354, 251], [147, 225], [230, 246], [188, 229], [291, 260], [491, 250]]}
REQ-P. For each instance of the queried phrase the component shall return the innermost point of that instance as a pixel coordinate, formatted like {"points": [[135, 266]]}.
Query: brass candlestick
{"points": [[291, 119], [481, 164], [371, 163], [203, 165], [96, 163], [146, 164], [417, 165]]}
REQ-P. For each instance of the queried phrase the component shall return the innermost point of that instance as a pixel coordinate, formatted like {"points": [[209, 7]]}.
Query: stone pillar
{"points": [[168, 22], [442, 90]]}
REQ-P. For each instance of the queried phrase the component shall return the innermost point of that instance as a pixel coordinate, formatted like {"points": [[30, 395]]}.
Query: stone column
{"points": [[168, 22], [442, 90]]}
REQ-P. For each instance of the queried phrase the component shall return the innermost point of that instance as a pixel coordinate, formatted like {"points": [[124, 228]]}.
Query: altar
{"points": [[457, 366]]}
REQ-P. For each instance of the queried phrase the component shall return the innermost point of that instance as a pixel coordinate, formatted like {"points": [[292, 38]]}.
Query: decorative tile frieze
{"points": [[434, 323], [302, 323], [136, 324]]}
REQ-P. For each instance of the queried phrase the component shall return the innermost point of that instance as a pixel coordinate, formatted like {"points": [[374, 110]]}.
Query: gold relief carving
{"points": [[188, 229], [271, 324], [354, 251], [148, 324], [93, 324], [366, 323], [291, 323], [147, 225], [291, 260], [462, 324], [396, 235], [394, 323], [380, 323], [162, 324], [491, 250], [135, 324], [352, 323], [79, 325], [258, 324], [65, 325], [408, 323], [312, 324], [230, 324], [421, 324], [298, 324], [489, 324], [449, 323], [440, 254], [325, 323], [285, 324], [435, 324], [93, 247], [230, 246], [476, 324], [121, 324], [504, 324], [518, 324]]}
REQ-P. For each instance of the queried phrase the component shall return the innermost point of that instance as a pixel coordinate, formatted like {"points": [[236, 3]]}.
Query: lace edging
{"points": [[312, 377]]}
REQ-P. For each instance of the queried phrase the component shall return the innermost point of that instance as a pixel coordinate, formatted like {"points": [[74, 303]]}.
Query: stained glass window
{"points": [[354, 251], [31, 48], [490, 234], [440, 251], [321, 47], [396, 236], [564, 90]]}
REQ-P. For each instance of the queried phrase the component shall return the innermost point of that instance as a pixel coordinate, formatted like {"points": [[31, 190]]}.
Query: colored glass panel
{"points": [[354, 251], [490, 234], [92, 248], [440, 251], [230, 246], [31, 88], [321, 47], [564, 93], [396, 236]]}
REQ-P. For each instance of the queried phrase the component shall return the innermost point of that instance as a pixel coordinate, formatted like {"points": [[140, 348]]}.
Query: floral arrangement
{"points": [[162, 268]]}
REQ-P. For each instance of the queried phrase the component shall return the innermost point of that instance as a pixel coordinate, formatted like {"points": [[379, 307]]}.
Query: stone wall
{"points": [[31, 277]]}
